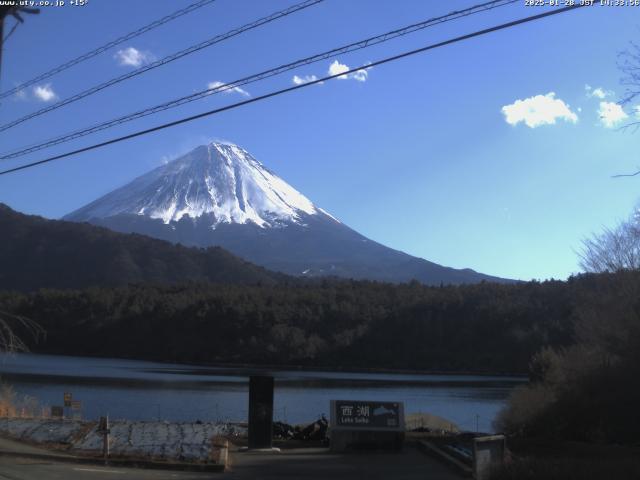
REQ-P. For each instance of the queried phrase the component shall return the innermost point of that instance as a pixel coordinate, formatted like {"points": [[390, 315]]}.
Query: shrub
{"points": [[569, 469], [526, 405], [16, 405]]}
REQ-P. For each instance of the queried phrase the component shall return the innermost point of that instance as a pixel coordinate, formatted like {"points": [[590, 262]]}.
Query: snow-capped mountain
{"points": [[221, 180], [219, 194]]}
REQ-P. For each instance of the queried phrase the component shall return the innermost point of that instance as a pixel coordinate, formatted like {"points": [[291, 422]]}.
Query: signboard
{"points": [[67, 399], [357, 424], [76, 405], [356, 414], [57, 412]]}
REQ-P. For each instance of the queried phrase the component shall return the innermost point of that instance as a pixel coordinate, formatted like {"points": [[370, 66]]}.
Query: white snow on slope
{"points": [[220, 179]]}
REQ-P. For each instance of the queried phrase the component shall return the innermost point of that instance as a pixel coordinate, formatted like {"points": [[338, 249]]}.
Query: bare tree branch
{"points": [[629, 65], [9, 340], [612, 250], [626, 174]]}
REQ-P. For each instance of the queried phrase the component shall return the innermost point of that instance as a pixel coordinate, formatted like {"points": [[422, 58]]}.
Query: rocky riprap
{"points": [[188, 441]]}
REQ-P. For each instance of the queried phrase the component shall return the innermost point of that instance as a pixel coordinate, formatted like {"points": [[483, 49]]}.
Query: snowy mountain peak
{"points": [[220, 180]]}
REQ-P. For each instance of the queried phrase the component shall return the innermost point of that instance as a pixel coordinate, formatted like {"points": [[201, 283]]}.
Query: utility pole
{"points": [[104, 430], [15, 12], [3, 13]]}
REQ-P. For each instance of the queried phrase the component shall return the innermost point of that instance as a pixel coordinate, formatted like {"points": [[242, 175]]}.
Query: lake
{"points": [[141, 390]]}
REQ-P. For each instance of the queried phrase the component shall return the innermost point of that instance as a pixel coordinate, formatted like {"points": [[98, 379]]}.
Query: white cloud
{"points": [[538, 110], [337, 68], [306, 79], [217, 84], [611, 114], [44, 93], [361, 75], [132, 57], [598, 92]]}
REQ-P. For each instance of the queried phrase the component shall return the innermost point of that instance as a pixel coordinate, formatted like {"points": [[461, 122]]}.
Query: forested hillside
{"points": [[483, 327], [40, 253]]}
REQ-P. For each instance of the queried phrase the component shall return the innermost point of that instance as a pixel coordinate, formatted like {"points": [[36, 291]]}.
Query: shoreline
{"points": [[244, 367]]}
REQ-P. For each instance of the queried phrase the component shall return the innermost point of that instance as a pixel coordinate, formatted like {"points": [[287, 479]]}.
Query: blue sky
{"points": [[432, 155]]}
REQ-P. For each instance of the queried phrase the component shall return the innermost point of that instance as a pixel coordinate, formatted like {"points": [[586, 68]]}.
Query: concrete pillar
{"points": [[260, 412], [488, 454]]}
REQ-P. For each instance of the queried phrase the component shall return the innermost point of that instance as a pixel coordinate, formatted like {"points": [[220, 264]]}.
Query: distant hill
{"points": [[40, 253]]}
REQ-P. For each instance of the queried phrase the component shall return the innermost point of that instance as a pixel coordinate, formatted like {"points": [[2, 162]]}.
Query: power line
{"points": [[259, 76], [107, 46], [163, 61], [297, 87]]}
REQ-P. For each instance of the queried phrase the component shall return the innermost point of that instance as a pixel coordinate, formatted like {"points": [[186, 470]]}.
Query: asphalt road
{"points": [[302, 463], [317, 464], [14, 468], [299, 465]]}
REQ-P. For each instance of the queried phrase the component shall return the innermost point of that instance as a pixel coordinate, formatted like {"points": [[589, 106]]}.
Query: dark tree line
{"points": [[331, 323]]}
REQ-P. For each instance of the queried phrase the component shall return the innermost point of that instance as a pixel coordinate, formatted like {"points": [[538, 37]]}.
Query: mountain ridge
{"points": [[219, 195]]}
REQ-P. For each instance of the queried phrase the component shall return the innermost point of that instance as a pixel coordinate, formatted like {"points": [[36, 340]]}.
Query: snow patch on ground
{"points": [[190, 441]]}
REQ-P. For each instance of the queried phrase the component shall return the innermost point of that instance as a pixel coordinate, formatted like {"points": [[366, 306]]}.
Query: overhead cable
{"points": [[555, 11], [368, 42], [106, 46]]}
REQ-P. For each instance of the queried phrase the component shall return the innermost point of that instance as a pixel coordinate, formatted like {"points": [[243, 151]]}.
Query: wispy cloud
{"points": [[600, 93], [360, 75], [337, 68], [223, 141], [186, 145], [218, 84], [597, 92], [538, 110], [132, 57], [611, 114], [306, 79], [44, 93], [20, 94]]}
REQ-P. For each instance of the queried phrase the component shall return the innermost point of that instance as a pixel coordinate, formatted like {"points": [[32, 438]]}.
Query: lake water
{"points": [[140, 390]]}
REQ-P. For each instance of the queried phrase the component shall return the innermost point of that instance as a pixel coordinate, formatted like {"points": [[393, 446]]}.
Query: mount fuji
{"points": [[218, 194]]}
